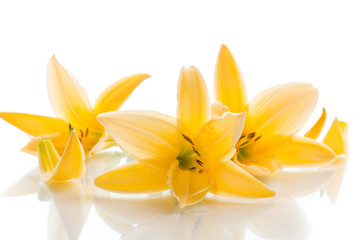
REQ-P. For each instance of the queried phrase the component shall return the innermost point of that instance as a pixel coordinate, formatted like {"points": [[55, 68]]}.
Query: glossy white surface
{"points": [[273, 42], [308, 206]]}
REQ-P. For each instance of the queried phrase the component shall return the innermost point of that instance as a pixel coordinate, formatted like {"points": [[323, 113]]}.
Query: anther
{"points": [[86, 132], [192, 169], [201, 171], [244, 143], [251, 135], [187, 139], [82, 134], [256, 139], [199, 162], [70, 127], [197, 153], [242, 137]]}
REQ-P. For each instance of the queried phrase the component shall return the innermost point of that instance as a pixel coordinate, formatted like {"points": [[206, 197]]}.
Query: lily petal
{"points": [[337, 137], [280, 111], [230, 88], [68, 99], [133, 178], [232, 180], [218, 109], [216, 140], [59, 142], [187, 186], [115, 95], [193, 108], [36, 125], [70, 165], [151, 138], [315, 131], [302, 151], [260, 165]]}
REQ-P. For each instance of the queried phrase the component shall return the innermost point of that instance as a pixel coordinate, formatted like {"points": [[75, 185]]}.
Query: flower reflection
{"points": [[70, 201], [158, 216]]}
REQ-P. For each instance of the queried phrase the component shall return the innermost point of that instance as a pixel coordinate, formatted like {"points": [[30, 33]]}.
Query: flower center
{"points": [[190, 159], [83, 133], [245, 144]]}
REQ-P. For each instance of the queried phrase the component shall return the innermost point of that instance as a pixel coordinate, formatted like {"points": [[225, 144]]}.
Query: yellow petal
{"points": [[337, 137], [230, 88], [115, 95], [189, 187], [70, 165], [68, 99], [133, 178], [193, 101], [36, 125], [217, 138], [59, 143], [149, 137], [302, 151], [314, 132], [280, 111], [260, 164], [217, 109], [48, 159], [232, 180]]}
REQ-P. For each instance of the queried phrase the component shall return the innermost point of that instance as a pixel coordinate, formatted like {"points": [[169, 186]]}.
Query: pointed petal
{"points": [[337, 137], [260, 165], [280, 111], [315, 131], [68, 99], [133, 178], [230, 88], [230, 180], [59, 142], [302, 151], [36, 125], [216, 140], [189, 187], [115, 95], [72, 163], [217, 109], [149, 137], [48, 159], [193, 101]]}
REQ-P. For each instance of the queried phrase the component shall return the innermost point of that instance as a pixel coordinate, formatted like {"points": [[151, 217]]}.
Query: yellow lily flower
{"points": [[72, 108], [190, 154], [272, 118], [70, 165]]}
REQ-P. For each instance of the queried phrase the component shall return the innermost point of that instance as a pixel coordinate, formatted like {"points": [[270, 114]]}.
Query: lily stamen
{"points": [[195, 151], [82, 133], [188, 139]]}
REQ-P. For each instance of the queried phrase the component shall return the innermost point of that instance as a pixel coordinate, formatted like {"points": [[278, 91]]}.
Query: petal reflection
{"points": [[300, 183], [162, 218], [284, 220], [69, 210], [29, 183], [333, 188]]}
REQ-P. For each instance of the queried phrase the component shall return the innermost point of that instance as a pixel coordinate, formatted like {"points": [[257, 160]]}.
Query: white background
{"points": [[102, 41]]}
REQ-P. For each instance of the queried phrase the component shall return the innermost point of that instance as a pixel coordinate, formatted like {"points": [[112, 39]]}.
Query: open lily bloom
{"points": [[272, 118], [72, 108], [190, 154]]}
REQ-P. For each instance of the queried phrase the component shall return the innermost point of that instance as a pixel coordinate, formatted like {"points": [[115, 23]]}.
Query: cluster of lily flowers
{"points": [[223, 148]]}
